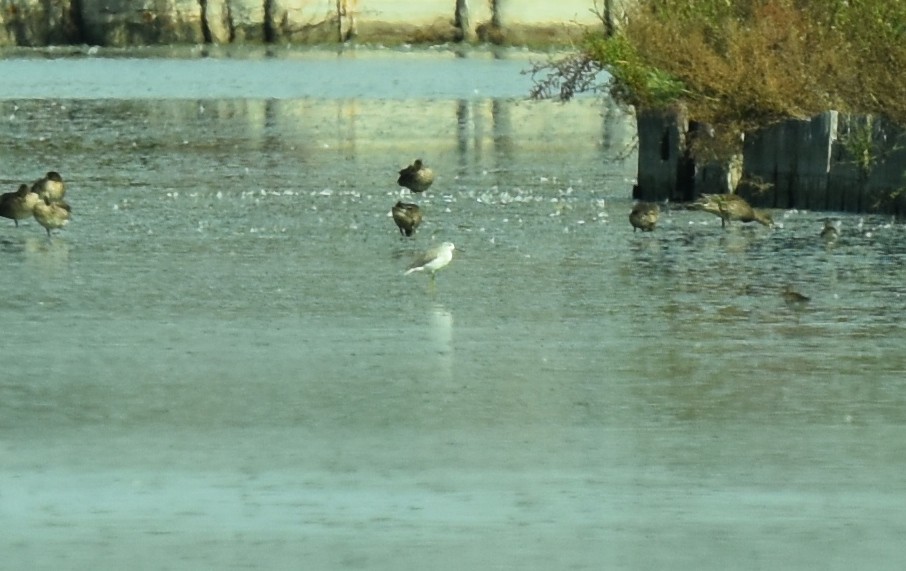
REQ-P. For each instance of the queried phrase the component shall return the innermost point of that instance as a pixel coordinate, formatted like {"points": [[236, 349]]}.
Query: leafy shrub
{"points": [[743, 64]]}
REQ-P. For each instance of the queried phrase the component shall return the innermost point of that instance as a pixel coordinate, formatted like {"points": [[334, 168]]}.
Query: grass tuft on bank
{"points": [[740, 65]]}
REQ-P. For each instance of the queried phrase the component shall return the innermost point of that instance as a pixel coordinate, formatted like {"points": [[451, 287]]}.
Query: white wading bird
{"points": [[432, 260]]}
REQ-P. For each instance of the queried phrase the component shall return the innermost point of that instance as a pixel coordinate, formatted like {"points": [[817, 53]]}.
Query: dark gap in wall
{"points": [[270, 34], [205, 28]]}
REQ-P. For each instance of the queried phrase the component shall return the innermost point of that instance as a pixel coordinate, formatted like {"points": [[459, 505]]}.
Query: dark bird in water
{"points": [[831, 230], [51, 186], [18, 205], [793, 298], [416, 177], [731, 207], [51, 215], [644, 216], [407, 217]]}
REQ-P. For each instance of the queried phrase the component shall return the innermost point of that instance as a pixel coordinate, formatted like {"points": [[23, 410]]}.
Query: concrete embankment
{"points": [[833, 162], [122, 23]]}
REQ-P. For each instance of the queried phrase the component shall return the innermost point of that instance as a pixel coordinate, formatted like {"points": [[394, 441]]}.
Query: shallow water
{"points": [[219, 363]]}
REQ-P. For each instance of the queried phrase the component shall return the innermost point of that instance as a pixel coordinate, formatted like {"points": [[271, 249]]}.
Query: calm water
{"points": [[219, 363]]}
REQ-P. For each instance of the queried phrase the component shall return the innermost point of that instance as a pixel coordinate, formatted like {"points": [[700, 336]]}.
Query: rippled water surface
{"points": [[219, 363]]}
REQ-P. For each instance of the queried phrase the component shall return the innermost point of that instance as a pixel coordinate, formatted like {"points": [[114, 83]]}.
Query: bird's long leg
{"points": [[724, 214]]}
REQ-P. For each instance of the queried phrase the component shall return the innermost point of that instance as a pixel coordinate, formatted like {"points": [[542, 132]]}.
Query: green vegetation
{"points": [[743, 64], [858, 140]]}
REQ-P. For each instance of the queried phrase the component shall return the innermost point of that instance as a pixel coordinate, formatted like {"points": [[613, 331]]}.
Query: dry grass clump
{"points": [[743, 64]]}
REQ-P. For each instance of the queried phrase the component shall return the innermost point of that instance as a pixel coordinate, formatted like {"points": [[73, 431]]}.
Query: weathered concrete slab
{"points": [[717, 177], [829, 162], [391, 21], [786, 165], [146, 22], [885, 184], [33, 23], [309, 21], [522, 12], [663, 172], [816, 141], [246, 20], [847, 178]]}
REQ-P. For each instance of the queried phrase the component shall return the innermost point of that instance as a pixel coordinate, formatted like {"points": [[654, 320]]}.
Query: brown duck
{"points": [[18, 205], [50, 186], [793, 298], [831, 230], [732, 207], [644, 216], [407, 217], [50, 214], [416, 177]]}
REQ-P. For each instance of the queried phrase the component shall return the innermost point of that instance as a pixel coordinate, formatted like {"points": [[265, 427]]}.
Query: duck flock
{"points": [[42, 199], [417, 177], [644, 216], [729, 207]]}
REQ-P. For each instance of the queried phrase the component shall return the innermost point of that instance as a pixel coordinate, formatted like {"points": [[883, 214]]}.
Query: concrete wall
{"points": [[829, 162], [663, 166], [788, 163], [151, 22], [868, 166]]}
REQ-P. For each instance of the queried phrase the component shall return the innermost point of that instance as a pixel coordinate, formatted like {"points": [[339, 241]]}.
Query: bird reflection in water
{"points": [[440, 321]]}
